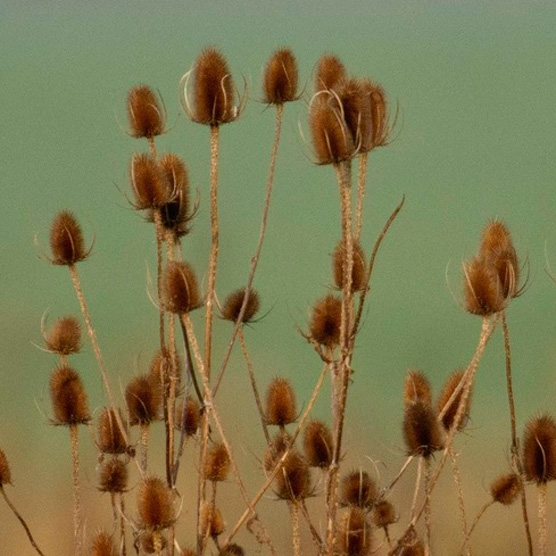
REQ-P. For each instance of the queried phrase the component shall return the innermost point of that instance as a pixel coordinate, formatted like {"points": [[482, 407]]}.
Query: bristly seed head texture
{"points": [[330, 73], [69, 399], [280, 403], [416, 388], [143, 397], [326, 321], [103, 546], [188, 416], [217, 465], [155, 505], [539, 450], [359, 271], [506, 488], [149, 183], [180, 288], [358, 489], [110, 437], [317, 444], [483, 293], [384, 514], [421, 429], [5, 473], [232, 550], [66, 240], [64, 337], [212, 523], [446, 393], [113, 476], [355, 535], [234, 301], [293, 481], [280, 77], [145, 115]]}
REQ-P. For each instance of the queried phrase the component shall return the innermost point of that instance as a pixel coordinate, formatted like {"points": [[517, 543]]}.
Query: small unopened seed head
{"points": [[150, 539], [280, 403], [143, 399], [69, 399], [113, 476], [358, 273], [421, 429], [416, 388], [330, 72], [446, 393], [212, 523], [217, 465], [326, 320], [102, 545], [506, 488], [65, 336], [384, 514], [482, 289], [293, 481], [232, 550], [66, 240], [145, 115], [155, 505], [358, 489], [232, 306], [188, 416], [317, 444], [355, 533], [539, 450], [149, 184], [180, 288], [280, 77], [5, 473], [110, 437]]}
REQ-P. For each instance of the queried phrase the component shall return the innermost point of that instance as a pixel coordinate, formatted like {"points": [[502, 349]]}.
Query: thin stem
{"points": [[144, 446], [417, 488], [190, 363], [398, 476], [74, 440], [474, 524], [541, 489], [461, 502], [314, 533], [427, 505], [361, 181], [157, 542], [123, 550], [294, 513]]}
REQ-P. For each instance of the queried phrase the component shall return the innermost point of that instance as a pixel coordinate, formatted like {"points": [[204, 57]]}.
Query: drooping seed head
{"points": [[69, 399], [355, 533], [66, 240], [64, 337], [421, 429], [330, 73], [144, 400], [293, 481], [317, 444], [358, 489], [180, 288], [482, 290], [155, 505], [110, 437], [5, 473], [506, 488], [325, 322], [217, 465], [232, 306], [212, 523], [280, 77], [113, 476], [359, 271], [384, 514], [416, 388], [446, 393], [102, 545], [150, 186], [539, 450], [280, 403], [145, 115], [188, 416]]}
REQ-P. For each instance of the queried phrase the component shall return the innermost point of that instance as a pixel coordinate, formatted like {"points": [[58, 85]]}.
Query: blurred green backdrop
{"points": [[475, 86]]}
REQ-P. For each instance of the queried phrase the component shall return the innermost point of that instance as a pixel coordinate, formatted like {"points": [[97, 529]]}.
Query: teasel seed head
{"points": [[276, 450], [212, 523], [187, 552], [416, 548], [356, 104], [66, 240], [217, 465], [421, 429], [188, 416], [181, 291], [143, 398], [539, 450], [384, 514], [446, 393], [355, 533], [330, 73], [148, 543], [317, 444], [232, 550], [64, 337], [145, 115], [358, 489], [326, 320], [359, 270], [110, 437], [482, 290], [5, 473], [150, 186], [234, 301], [506, 488], [416, 388], [102, 545], [280, 77], [379, 114], [113, 476], [293, 481], [213, 90], [155, 505], [280, 403], [69, 399]]}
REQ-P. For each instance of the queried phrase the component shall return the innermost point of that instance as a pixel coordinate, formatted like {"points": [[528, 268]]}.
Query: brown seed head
{"points": [[232, 550], [421, 429], [110, 438], [234, 301], [482, 290], [358, 489], [325, 321], [280, 77], [176, 213], [146, 117], [212, 523], [293, 481], [150, 185], [539, 450], [355, 99], [113, 476], [217, 465], [379, 115], [416, 548], [355, 534], [317, 443], [416, 388], [384, 514], [154, 503], [214, 90], [359, 271], [149, 540], [5, 473], [102, 545], [506, 488], [143, 398], [276, 450], [188, 415], [65, 336], [69, 400], [446, 393], [280, 403], [330, 73], [181, 291], [66, 240]]}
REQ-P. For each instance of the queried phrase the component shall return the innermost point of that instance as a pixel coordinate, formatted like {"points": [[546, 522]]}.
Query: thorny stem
{"points": [[461, 502], [294, 513], [74, 440], [144, 446], [22, 521], [474, 524], [361, 182], [542, 488]]}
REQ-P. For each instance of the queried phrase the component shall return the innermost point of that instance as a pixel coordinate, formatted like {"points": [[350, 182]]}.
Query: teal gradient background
{"points": [[475, 86]]}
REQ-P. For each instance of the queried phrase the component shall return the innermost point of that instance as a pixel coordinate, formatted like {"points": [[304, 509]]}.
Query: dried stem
{"points": [[144, 427], [403, 469], [361, 182], [474, 524], [427, 465], [461, 502], [314, 533], [74, 441], [294, 513], [417, 488], [123, 549], [541, 490]]}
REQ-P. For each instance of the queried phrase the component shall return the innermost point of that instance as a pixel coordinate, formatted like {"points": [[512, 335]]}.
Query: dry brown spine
{"points": [[232, 306], [359, 271], [280, 403], [280, 77], [384, 514], [293, 482], [539, 450], [143, 399], [188, 415], [110, 438], [506, 488], [449, 408], [355, 99], [317, 444], [355, 533], [102, 545], [421, 429], [155, 504], [66, 240], [181, 291], [324, 326], [217, 465], [69, 400], [64, 337], [330, 73], [482, 290], [149, 184], [358, 489], [145, 115], [417, 388], [379, 115]]}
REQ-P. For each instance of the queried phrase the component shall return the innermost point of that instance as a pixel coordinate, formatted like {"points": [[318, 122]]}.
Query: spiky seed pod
{"points": [[326, 320], [359, 271], [358, 489], [143, 399], [212, 523], [421, 429], [446, 393], [66, 240], [276, 450], [234, 301], [482, 290], [506, 488], [155, 505], [110, 437], [217, 465], [496, 238], [317, 443], [149, 184], [355, 533], [145, 115], [280, 77], [332, 141], [280, 403], [356, 106], [416, 388], [232, 550], [539, 450], [113, 476], [379, 114], [103, 546], [293, 481], [148, 543], [69, 399], [330, 73], [188, 416], [213, 89], [181, 291], [5, 473], [176, 213], [415, 549], [384, 514], [64, 337]]}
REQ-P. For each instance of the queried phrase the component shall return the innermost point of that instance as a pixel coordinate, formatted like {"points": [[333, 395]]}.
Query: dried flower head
{"points": [[358, 489], [145, 115], [416, 548], [102, 545], [155, 505], [5, 473], [232, 550], [213, 90], [143, 398], [276, 450], [66, 240], [384, 514], [212, 523], [232, 306], [110, 437], [180, 288], [416, 388], [149, 184], [444, 397], [150, 540], [317, 444], [539, 450], [113, 476], [355, 100], [326, 320], [482, 289], [69, 400], [188, 416], [280, 77], [280, 403], [293, 481], [358, 274], [217, 465], [355, 534], [506, 488], [421, 429], [65, 336], [379, 115], [330, 73]]}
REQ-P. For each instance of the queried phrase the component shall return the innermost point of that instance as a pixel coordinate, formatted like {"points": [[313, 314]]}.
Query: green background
{"points": [[475, 86]]}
